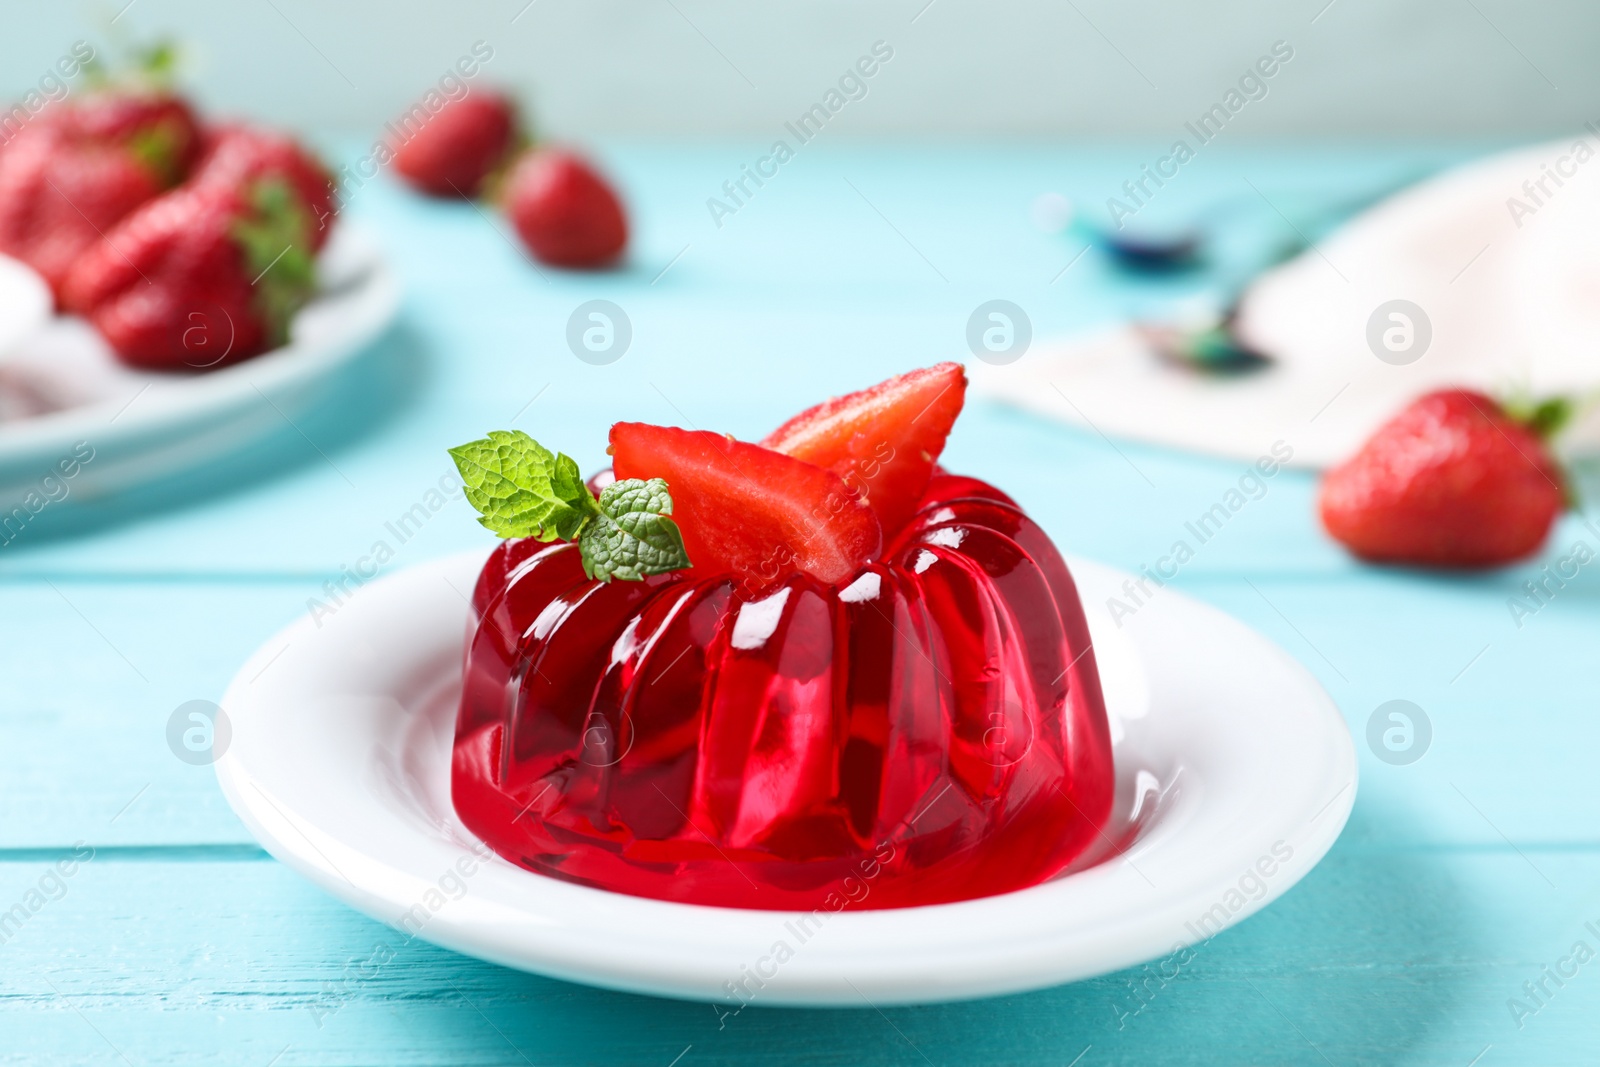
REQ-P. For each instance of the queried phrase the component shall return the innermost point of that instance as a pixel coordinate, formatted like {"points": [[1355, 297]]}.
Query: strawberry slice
{"points": [[747, 510], [882, 441]]}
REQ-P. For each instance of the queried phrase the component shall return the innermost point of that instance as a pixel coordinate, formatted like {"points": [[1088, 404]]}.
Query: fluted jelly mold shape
{"points": [[932, 730]]}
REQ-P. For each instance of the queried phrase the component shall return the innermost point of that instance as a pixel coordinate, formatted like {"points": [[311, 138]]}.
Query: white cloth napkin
{"points": [[1507, 277]]}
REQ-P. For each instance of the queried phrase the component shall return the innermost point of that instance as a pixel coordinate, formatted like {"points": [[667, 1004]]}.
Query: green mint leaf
{"points": [[632, 537], [521, 489], [569, 486]]}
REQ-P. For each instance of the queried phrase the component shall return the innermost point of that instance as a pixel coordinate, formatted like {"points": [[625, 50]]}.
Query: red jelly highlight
{"points": [[931, 730]]}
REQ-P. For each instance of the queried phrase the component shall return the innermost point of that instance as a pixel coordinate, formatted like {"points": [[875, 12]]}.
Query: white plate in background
{"points": [[62, 386]]}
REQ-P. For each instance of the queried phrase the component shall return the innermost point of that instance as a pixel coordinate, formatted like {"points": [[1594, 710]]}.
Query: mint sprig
{"points": [[522, 489]]}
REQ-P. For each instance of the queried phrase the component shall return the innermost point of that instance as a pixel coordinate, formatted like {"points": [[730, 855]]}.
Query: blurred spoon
{"points": [[1201, 335], [1201, 338], [1146, 250]]}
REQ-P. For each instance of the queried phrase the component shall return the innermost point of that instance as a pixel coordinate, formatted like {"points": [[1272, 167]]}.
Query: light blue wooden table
{"points": [[1460, 878]]}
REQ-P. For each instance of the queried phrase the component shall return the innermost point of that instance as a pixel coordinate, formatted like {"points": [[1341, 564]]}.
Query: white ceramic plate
{"points": [[24, 302], [1508, 305], [1231, 762], [62, 386]]}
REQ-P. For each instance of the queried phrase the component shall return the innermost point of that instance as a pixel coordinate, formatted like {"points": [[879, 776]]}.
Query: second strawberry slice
{"points": [[747, 510], [883, 441]]}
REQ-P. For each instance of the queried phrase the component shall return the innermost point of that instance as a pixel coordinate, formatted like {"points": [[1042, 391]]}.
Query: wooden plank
{"points": [[1378, 957]]}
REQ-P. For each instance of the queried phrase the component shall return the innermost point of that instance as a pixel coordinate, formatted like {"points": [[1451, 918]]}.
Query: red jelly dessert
{"points": [[872, 688]]}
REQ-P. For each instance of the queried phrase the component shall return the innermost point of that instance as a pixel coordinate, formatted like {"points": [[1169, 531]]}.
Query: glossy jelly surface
{"points": [[930, 731]]}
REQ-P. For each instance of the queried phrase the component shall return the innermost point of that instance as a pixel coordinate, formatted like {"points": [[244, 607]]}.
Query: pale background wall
{"points": [[1010, 67]]}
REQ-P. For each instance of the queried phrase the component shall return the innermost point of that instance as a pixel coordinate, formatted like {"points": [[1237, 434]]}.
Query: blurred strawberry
{"points": [[1454, 480], [81, 166], [237, 154], [456, 150], [208, 274], [138, 107], [566, 214], [158, 128], [58, 197]]}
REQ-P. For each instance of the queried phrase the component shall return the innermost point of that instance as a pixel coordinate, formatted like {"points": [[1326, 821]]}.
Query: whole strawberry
{"points": [[238, 154], [158, 128], [1454, 480], [454, 151], [81, 166], [208, 274], [565, 213], [58, 196]]}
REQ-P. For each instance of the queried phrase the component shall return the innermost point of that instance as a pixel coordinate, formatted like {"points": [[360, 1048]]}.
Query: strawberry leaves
{"points": [[276, 239], [522, 489], [1546, 417]]}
